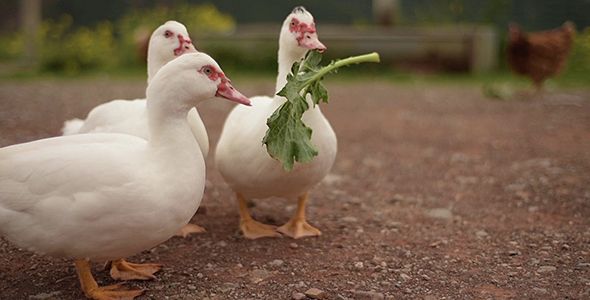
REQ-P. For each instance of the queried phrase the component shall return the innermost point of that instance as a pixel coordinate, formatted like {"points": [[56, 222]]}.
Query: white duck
{"points": [[129, 116], [103, 196], [242, 159], [166, 43]]}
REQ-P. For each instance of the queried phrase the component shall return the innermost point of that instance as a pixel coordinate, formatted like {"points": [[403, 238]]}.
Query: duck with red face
{"points": [[244, 162], [305, 33]]}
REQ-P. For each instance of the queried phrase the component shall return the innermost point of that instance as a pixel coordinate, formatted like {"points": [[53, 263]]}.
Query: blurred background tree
{"points": [[532, 14], [104, 34]]}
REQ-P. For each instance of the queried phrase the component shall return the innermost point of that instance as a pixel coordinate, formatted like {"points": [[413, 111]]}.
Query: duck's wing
{"points": [[63, 185], [58, 169]]}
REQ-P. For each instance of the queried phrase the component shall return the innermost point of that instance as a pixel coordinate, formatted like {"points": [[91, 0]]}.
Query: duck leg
{"points": [[190, 228], [122, 270], [298, 227], [250, 227], [93, 291]]}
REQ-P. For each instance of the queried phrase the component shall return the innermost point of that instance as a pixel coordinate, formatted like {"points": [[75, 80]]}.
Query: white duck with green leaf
{"points": [[242, 158]]}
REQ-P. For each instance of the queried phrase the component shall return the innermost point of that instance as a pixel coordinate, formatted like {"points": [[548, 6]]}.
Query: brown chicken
{"points": [[539, 55]]}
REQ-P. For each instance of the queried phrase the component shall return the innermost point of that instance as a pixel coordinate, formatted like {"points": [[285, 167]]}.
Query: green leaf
{"points": [[288, 139], [318, 92]]}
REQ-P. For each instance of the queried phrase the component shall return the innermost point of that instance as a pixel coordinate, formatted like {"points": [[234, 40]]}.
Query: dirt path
{"points": [[436, 193]]}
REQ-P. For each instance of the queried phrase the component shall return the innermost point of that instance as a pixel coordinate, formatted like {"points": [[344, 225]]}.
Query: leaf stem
{"points": [[371, 57]]}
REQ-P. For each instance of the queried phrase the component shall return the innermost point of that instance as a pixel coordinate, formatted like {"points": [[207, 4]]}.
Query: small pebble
{"points": [[482, 234], [299, 296], [314, 293], [541, 290], [293, 246], [229, 286], [277, 263], [361, 295], [543, 269]]}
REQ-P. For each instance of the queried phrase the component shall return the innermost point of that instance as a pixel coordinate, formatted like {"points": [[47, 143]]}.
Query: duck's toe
{"points": [[190, 229], [298, 228], [122, 270], [255, 230], [114, 292]]}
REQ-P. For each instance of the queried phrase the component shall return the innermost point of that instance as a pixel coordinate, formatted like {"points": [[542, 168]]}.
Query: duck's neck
{"points": [[156, 60], [153, 66], [286, 59], [167, 123]]}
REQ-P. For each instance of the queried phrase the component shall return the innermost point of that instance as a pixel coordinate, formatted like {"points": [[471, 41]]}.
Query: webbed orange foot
{"points": [[255, 230], [122, 270], [111, 292], [298, 228]]}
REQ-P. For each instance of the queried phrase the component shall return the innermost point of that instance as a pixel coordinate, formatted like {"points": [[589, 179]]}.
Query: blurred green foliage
{"points": [[12, 45], [68, 50], [108, 46], [580, 56]]}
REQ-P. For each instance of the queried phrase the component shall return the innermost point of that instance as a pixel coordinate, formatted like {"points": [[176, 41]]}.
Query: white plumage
{"points": [[242, 159], [105, 196]]}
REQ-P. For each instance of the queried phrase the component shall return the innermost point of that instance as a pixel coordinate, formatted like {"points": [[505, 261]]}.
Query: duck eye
{"points": [[207, 71], [167, 33], [293, 24]]}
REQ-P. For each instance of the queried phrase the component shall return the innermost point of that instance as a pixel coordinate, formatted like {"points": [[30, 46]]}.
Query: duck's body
{"points": [[54, 203], [266, 176], [250, 171], [106, 196]]}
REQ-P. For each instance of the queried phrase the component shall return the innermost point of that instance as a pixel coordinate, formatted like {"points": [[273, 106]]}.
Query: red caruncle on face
{"points": [[212, 73], [301, 29]]}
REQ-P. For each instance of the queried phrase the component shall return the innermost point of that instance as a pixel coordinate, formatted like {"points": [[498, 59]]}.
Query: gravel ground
{"points": [[436, 193]]}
